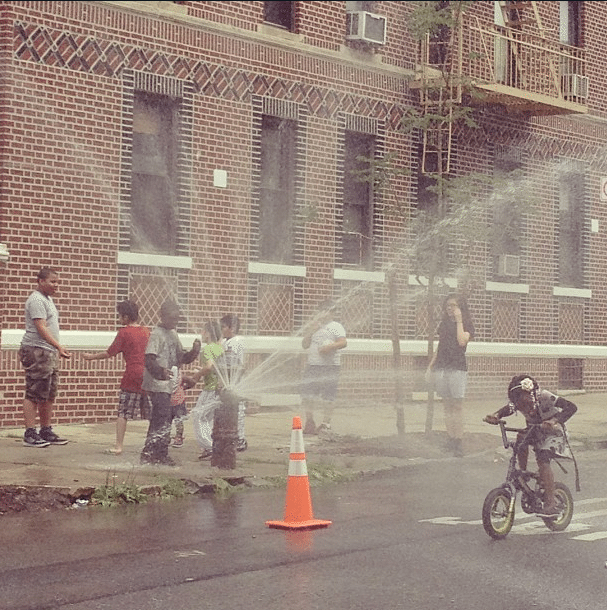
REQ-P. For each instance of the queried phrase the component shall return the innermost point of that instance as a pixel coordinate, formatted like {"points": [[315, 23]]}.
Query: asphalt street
{"points": [[411, 538]]}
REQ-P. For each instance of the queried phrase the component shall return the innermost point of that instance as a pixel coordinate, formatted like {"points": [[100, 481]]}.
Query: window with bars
{"points": [[280, 14], [277, 189], [357, 229], [154, 190], [571, 223], [507, 217], [571, 373]]}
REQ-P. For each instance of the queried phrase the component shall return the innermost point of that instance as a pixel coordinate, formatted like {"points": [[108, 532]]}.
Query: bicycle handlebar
{"points": [[504, 429]]}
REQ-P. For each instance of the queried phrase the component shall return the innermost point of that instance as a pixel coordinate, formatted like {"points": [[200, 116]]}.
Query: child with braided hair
{"points": [[548, 439]]}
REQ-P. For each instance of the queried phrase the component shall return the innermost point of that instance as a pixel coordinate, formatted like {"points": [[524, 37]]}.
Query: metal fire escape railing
{"points": [[520, 70]]}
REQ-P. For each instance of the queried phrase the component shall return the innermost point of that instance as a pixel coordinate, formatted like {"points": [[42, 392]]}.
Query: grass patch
{"points": [[114, 493]]}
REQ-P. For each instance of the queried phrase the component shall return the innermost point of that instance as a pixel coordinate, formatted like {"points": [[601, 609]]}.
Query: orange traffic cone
{"points": [[298, 507]]}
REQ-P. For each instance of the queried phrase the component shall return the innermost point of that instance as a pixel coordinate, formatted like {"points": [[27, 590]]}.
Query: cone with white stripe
{"points": [[298, 506]]}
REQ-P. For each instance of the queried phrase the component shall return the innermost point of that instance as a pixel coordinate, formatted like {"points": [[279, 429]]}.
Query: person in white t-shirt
{"points": [[324, 340], [233, 345]]}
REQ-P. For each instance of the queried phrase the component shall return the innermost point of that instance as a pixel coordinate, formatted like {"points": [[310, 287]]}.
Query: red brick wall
{"points": [[63, 150]]}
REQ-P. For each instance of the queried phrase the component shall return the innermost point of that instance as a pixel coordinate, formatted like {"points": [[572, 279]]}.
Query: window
{"points": [[507, 216], [277, 189], [154, 169], [357, 240], [571, 222], [280, 14], [571, 373], [570, 23]]}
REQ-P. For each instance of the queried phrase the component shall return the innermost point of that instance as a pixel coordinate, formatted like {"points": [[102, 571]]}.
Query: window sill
{"points": [[423, 281], [276, 269], [358, 275], [154, 260], [580, 293], [507, 287], [276, 31]]}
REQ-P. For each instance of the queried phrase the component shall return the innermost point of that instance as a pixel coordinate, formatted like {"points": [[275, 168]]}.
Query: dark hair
{"points": [[168, 307], [129, 310], [45, 273], [462, 303], [232, 321], [214, 330], [515, 389]]}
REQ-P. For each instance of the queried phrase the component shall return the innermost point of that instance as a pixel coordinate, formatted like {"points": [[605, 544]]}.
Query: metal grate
{"points": [[356, 306], [421, 318], [275, 309], [571, 323], [505, 320], [149, 292], [571, 373]]}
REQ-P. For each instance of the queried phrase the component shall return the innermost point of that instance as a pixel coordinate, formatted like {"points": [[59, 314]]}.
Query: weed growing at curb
{"points": [[318, 474], [127, 492], [115, 494], [172, 488], [224, 489]]}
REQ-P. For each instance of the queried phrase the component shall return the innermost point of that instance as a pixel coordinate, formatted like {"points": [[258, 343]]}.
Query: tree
{"points": [[452, 211]]}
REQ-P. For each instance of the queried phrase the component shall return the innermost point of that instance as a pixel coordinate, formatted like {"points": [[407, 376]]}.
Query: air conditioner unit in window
{"points": [[361, 25], [509, 264], [574, 86]]}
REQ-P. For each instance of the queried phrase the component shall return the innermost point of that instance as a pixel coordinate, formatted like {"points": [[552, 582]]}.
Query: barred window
{"points": [[154, 170]]}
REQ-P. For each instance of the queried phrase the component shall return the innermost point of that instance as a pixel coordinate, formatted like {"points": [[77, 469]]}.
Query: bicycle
{"points": [[499, 505]]}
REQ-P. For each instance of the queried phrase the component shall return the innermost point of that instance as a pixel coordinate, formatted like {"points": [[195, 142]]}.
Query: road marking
{"points": [[591, 537], [180, 554], [529, 524]]}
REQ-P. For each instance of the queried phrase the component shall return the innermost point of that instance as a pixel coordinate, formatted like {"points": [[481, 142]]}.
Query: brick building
{"points": [[204, 150]]}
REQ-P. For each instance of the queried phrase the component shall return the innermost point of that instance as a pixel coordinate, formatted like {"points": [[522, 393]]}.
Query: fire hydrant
{"points": [[225, 431]]}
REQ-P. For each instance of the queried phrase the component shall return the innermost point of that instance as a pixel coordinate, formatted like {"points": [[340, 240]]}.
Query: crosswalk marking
{"points": [[591, 537], [527, 524]]}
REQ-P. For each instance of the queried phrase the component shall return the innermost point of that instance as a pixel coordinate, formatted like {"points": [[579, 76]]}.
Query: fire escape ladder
{"points": [[438, 97], [437, 135]]}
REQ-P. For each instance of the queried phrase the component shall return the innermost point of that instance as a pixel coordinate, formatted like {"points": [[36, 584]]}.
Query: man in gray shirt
{"points": [[39, 353]]}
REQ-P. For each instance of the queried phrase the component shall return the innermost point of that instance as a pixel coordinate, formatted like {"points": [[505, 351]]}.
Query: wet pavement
{"points": [[364, 440]]}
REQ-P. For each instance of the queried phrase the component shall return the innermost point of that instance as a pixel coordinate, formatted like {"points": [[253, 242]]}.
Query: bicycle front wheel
{"points": [[497, 516]]}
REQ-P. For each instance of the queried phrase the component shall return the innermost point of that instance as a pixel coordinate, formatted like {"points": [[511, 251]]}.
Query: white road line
{"points": [[591, 537]]}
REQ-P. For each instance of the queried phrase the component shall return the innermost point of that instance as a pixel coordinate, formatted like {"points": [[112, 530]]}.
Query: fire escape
{"points": [[513, 67]]}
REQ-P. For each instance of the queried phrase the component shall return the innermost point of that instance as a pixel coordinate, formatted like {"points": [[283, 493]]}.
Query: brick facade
{"points": [[70, 71]]}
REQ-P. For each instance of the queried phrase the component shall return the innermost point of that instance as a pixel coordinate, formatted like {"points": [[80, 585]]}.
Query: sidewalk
{"points": [[362, 436]]}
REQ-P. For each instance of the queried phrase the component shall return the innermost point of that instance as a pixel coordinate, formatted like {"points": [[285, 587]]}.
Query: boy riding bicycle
{"points": [[548, 439]]}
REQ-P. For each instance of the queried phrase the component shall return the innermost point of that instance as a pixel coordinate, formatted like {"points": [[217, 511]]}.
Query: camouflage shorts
{"points": [[41, 373]]}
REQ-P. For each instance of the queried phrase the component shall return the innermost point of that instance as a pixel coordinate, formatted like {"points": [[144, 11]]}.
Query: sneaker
{"points": [[324, 432], [47, 434], [178, 441], [242, 444], [32, 439], [206, 454], [167, 461]]}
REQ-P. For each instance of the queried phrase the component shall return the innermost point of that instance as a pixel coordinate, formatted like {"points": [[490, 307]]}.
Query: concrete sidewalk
{"points": [[83, 464]]}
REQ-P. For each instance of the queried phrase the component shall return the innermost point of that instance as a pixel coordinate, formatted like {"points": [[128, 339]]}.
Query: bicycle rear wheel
{"points": [[564, 503], [497, 516]]}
